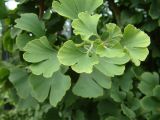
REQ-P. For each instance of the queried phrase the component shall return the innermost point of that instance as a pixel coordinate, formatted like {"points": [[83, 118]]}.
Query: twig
{"points": [[115, 10], [41, 8]]}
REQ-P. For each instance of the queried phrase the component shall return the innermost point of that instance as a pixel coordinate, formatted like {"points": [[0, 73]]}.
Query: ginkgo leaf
{"points": [[135, 42], [71, 55], [19, 78], [101, 79], [148, 83], [22, 40], [112, 34], [57, 85], [86, 87], [112, 66], [110, 52], [71, 8], [154, 11], [150, 103], [110, 46], [128, 112], [42, 56], [31, 23], [86, 25]]}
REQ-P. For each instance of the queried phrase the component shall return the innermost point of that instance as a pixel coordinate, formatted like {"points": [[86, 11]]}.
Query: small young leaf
{"points": [[86, 25], [135, 42]]}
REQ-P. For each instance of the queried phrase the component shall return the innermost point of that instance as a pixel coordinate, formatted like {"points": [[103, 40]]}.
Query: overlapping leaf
{"points": [[86, 25], [57, 85], [148, 82], [71, 8], [42, 56], [87, 88], [135, 42], [91, 85], [76, 57], [22, 40], [110, 47], [112, 66], [19, 78], [30, 23]]}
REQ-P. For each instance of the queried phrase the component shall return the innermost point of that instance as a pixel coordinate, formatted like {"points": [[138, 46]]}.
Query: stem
{"points": [[90, 48], [5, 54], [115, 10], [41, 8]]}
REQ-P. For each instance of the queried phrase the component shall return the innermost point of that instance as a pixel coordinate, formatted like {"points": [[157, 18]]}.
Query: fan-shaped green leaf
{"points": [[30, 23], [19, 78], [41, 86], [135, 42], [22, 40], [112, 66], [80, 61], [112, 34], [150, 103], [86, 25], [156, 91], [86, 87], [128, 112], [148, 83], [101, 79], [71, 8], [154, 11], [42, 56], [110, 52]]}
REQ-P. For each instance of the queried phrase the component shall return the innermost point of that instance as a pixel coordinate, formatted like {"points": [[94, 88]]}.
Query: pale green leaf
{"points": [[110, 52], [86, 87], [135, 42], [112, 66], [42, 56], [31, 23], [86, 25], [112, 34], [19, 78], [71, 55], [71, 8]]}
